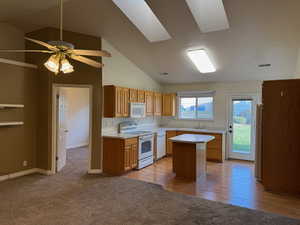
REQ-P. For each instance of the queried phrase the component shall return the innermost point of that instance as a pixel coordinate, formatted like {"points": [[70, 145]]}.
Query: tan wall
{"points": [[11, 38], [83, 75], [18, 85], [120, 71], [223, 91]]}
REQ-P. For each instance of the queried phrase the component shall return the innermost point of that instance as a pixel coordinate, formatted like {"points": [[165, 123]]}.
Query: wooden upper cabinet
{"points": [[141, 96], [125, 102], [169, 105], [133, 93], [149, 97], [157, 104], [119, 102], [116, 101]]}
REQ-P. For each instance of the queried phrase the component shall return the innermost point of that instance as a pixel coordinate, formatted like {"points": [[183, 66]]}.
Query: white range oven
{"points": [[145, 150], [146, 142]]}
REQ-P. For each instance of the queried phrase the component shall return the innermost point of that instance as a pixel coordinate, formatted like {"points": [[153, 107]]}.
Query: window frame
{"points": [[196, 95]]}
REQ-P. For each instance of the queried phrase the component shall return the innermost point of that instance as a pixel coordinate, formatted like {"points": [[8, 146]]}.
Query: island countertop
{"points": [[192, 138]]}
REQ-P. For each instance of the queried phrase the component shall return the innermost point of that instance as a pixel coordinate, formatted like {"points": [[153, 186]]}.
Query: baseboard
{"points": [[77, 146], [94, 171], [25, 172], [45, 172], [18, 174], [4, 177]]}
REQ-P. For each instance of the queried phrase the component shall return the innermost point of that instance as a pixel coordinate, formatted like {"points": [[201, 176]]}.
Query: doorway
{"points": [[241, 127], [72, 107]]}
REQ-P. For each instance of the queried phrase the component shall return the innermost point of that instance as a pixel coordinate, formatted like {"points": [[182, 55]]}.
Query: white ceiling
{"points": [[260, 32]]}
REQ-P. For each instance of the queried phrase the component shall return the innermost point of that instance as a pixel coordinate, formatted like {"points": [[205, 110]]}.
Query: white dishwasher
{"points": [[161, 144]]}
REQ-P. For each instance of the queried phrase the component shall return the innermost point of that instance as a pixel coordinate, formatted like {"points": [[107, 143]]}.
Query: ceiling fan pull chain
{"points": [[61, 19]]}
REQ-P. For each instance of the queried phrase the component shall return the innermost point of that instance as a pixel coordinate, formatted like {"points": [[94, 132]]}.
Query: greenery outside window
{"points": [[196, 106]]}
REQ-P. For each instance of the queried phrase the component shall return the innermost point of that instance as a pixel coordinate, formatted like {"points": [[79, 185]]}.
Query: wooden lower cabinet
{"points": [[119, 155], [214, 152], [170, 134]]}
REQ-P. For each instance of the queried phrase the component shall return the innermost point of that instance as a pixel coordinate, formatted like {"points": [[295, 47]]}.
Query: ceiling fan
{"points": [[61, 51]]}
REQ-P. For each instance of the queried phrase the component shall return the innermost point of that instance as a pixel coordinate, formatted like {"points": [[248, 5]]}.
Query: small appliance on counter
{"points": [[146, 141]]}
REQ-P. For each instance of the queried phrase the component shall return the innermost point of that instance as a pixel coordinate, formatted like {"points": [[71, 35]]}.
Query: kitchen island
{"points": [[189, 155]]}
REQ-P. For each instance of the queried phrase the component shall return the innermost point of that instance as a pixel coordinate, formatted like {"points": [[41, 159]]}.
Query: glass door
{"points": [[241, 130]]}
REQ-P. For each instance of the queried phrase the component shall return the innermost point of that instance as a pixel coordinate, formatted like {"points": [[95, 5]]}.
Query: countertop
{"points": [[192, 138], [115, 134]]}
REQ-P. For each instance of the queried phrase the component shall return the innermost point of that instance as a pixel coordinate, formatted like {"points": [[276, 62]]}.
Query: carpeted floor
{"points": [[74, 198]]}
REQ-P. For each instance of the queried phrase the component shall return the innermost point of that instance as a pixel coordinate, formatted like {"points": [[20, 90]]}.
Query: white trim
{"points": [[18, 174], [18, 63], [196, 93], [86, 144], [94, 171], [24, 173], [55, 88], [4, 177], [255, 98], [3, 106], [6, 124], [45, 172], [196, 119]]}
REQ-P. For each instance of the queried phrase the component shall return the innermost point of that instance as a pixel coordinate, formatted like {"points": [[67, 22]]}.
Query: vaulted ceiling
{"points": [[261, 32]]}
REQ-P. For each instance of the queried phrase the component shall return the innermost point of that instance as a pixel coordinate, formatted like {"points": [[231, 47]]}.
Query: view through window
{"points": [[196, 108]]}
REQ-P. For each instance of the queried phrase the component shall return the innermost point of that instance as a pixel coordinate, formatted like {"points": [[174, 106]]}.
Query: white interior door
{"points": [[61, 130], [241, 127]]}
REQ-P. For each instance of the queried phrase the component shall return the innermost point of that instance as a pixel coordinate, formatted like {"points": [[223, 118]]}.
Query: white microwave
{"points": [[137, 110]]}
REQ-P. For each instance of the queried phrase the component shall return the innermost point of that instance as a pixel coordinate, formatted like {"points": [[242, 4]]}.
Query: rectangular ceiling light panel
{"points": [[141, 15], [201, 60], [210, 15]]}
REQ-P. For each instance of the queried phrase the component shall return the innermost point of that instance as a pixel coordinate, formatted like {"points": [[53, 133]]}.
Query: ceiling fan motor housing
{"points": [[62, 44]]}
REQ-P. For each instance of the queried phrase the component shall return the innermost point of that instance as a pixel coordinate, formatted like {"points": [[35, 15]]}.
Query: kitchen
{"points": [[136, 146]]}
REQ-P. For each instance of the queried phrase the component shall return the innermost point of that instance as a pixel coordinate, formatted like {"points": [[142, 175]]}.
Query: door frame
{"points": [[55, 88], [245, 96]]}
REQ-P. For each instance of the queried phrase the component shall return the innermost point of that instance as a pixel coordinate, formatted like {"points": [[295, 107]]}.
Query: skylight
{"points": [[210, 15], [141, 15], [201, 60]]}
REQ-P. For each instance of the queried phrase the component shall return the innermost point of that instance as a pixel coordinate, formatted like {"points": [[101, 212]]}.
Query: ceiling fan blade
{"points": [[90, 52], [17, 51], [51, 47], [87, 61]]}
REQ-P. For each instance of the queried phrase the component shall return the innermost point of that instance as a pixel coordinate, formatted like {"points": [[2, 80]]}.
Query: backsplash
{"points": [[111, 124]]}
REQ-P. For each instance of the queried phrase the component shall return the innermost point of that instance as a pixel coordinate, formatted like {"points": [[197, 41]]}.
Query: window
{"points": [[196, 106]]}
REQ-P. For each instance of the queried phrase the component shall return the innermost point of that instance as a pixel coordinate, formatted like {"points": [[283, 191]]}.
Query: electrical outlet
{"points": [[25, 163]]}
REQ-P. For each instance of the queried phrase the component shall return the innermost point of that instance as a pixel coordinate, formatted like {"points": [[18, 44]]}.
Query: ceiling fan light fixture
{"points": [[66, 67], [52, 64]]}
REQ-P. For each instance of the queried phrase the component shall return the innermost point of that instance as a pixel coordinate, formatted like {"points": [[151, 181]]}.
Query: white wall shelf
{"points": [[7, 106], [7, 124]]}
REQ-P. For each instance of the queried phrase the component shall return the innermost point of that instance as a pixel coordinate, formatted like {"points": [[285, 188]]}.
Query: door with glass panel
{"points": [[241, 128]]}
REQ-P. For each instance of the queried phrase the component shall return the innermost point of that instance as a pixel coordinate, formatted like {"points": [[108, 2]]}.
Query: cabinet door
{"points": [[169, 104], [149, 103], [119, 102], [168, 142], [127, 157], [141, 96], [133, 93], [134, 156], [125, 102], [157, 104]]}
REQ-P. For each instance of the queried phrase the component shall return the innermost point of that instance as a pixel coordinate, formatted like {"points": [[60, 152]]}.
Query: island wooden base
{"points": [[189, 160]]}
